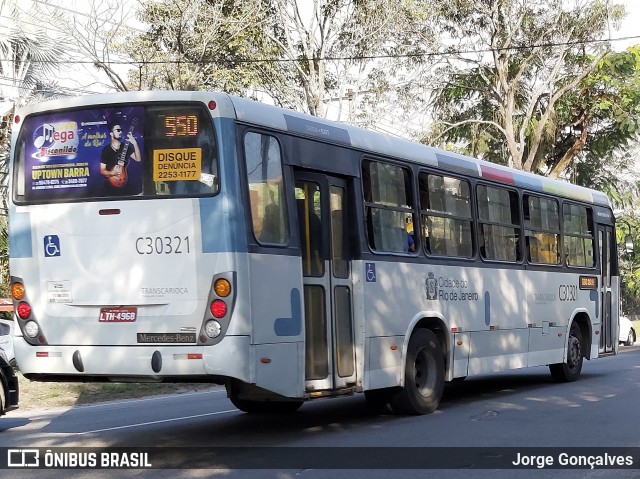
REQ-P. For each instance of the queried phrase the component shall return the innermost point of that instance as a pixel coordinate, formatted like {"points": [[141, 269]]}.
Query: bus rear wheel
{"points": [[423, 375], [570, 370]]}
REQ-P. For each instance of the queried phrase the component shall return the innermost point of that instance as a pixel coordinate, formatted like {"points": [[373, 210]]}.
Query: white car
{"points": [[627, 333], [6, 340]]}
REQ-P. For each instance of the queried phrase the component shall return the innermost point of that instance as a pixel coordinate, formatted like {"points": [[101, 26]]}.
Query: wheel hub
{"points": [[574, 352], [424, 374]]}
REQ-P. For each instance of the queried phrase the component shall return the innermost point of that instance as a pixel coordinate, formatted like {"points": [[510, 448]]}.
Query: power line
{"points": [[74, 46], [6, 81], [82, 14], [331, 58]]}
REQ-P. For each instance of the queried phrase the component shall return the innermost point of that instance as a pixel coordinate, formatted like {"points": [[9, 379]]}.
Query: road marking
{"points": [[155, 422]]}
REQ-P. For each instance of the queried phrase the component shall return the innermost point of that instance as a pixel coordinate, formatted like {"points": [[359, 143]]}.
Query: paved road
{"points": [[516, 409]]}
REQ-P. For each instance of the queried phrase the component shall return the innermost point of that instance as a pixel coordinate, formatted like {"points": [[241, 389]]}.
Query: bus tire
{"points": [[570, 370], [423, 375], [266, 407]]}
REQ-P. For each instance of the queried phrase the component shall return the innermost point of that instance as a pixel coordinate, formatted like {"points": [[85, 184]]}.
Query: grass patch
{"points": [[636, 327], [43, 395]]}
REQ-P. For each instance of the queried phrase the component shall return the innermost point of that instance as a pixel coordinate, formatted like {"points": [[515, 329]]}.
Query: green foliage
{"points": [[301, 54], [530, 100], [629, 263], [607, 104], [202, 44], [27, 62]]}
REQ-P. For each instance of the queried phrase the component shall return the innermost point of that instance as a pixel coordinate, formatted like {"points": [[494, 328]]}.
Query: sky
{"points": [[630, 27], [631, 24], [82, 78]]}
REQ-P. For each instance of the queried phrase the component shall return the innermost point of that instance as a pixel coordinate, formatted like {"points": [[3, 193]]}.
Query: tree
{"points": [[27, 63], [298, 53], [360, 52], [335, 48], [201, 44], [598, 127], [518, 75], [94, 39], [629, 262], [27, 59]]}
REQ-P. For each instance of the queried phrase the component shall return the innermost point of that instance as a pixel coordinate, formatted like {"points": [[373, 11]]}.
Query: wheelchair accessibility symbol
{"points": [[370, 272], [51, 246]]}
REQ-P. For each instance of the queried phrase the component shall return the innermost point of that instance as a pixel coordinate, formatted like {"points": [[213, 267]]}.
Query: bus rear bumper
{"points": [[87, 363]]}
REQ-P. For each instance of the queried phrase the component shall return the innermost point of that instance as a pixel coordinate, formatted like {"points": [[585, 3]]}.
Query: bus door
{"points": [[321, 202], [608, 330]]}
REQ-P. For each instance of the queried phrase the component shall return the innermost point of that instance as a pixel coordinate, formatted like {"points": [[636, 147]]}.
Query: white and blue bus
{"points": [[195, 236]]}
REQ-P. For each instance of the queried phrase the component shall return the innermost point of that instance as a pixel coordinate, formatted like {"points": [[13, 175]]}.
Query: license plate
{"points": [[118, 315]]}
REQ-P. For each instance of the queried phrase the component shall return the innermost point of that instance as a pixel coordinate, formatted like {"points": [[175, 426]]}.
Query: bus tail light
{"points": [[31, 329], [222, 287], [17, 291], [218, 308], [222, 297], [24, 310], [25, 317], [212, 328]]}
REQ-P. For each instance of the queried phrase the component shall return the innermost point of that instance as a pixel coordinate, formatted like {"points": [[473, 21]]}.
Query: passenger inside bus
{"points": [[271, 221]]}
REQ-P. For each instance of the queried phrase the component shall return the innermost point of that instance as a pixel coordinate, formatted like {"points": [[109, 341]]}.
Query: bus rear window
{"points": [[114, 152]]}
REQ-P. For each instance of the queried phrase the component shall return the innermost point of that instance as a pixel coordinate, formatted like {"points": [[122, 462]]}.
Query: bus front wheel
{"points": [[570, 370], [423, 375]]}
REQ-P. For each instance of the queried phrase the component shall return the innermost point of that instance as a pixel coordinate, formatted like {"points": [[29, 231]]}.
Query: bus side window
{"points": [[388, 202], [445, 204], [542, 229], [533, 249], [579, 239], [263, 162], [499, 223]]}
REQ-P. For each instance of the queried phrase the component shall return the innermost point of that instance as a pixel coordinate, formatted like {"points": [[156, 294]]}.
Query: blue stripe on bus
{"points": [[20, 236], [291, 326], [528, 182], [221, 224]]}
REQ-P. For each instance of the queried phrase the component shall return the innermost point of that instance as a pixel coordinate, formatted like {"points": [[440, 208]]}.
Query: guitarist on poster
{"points": [[115, 158]]}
